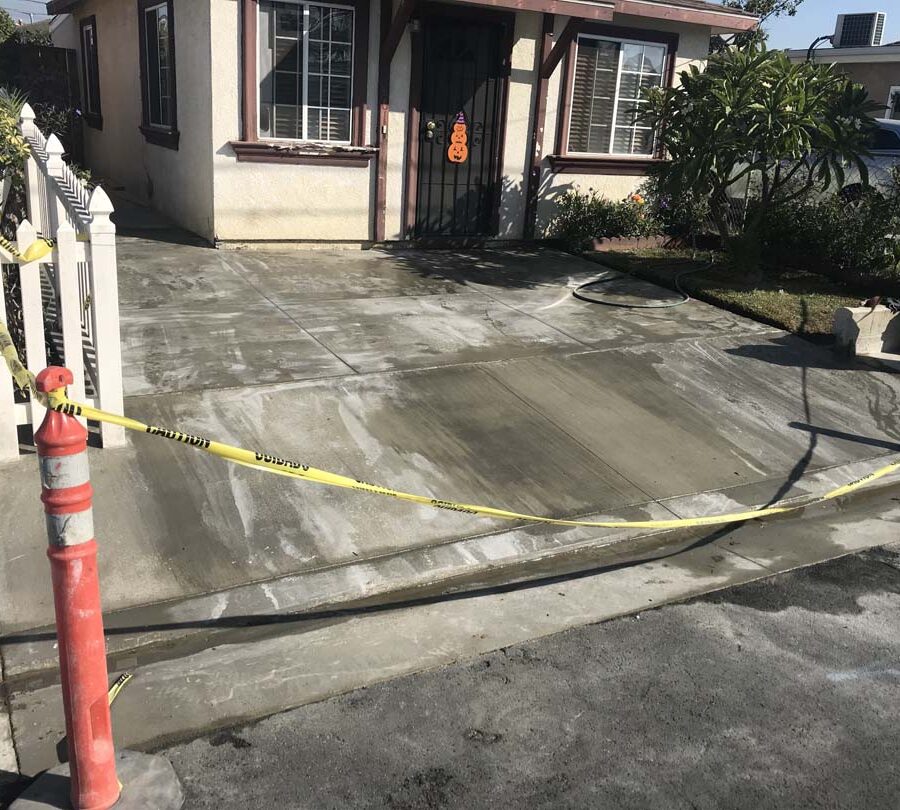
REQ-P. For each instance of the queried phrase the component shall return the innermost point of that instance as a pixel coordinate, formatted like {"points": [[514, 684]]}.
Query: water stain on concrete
{"points": [[424, 790], [229, 737], [834, 588]]}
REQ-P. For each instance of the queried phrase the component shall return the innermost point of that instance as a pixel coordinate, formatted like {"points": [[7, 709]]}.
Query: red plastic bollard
{"points": [[66, 492]]}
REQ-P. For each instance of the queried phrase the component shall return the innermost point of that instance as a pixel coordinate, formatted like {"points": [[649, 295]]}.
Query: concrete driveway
{"points": [[468, 376]]}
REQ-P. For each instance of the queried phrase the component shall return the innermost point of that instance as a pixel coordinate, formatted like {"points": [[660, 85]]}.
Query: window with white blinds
{"points": [[609, 78], [305, 71]]}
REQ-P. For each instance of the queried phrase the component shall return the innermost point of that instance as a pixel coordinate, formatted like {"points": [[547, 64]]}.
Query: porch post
{"points": [[537, 129], [391, 34]]}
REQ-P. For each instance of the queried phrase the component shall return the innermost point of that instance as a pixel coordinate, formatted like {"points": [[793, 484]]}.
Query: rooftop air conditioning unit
{"points": [[858, 30]]}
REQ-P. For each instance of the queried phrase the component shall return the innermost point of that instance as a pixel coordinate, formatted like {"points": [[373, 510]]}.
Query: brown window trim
{"points": [[298, 153], [159, 136], [251, 149], [566, 162], [93, 118]]}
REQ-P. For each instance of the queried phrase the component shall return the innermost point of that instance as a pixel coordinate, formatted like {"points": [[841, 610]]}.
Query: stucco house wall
{"points": [[693, 48], [276, 201], [177, 183], [876, 68], [204, 187], [878, 78]]}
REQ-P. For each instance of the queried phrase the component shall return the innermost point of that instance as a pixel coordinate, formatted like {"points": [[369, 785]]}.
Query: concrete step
{"points": [[279, 663], [163, 631]]}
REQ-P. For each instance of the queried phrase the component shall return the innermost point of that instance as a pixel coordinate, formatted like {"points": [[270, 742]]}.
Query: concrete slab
{"points": [[146, 782], [209, 346], [691, 416], [194, 523], [168, 276], [378, 334], [8, 765], [148, 633], [601, 326], [288, 277], [239, 681]]}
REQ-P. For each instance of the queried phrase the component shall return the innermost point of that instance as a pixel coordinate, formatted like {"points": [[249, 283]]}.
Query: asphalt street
{"points": [[782, 693]]}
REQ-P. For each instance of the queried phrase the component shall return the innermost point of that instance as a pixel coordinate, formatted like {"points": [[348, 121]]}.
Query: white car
{"points": [[884, 155]]}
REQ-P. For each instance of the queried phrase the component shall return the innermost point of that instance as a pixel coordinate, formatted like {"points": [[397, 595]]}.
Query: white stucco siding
{"points": [[176, 182], [396, 175], [693, 48], [520, 106], [279, 201]]}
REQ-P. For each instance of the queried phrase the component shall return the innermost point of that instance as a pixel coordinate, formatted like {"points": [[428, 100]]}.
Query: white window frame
{"points": [[150, 112], [304, 107], [91, 106], [615, 112], [890, 97]]}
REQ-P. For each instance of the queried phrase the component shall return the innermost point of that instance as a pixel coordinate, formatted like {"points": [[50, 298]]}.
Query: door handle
{"points": [[430, 127]]}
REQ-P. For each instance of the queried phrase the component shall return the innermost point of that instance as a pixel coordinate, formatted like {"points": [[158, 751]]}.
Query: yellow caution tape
{"points": [[39, 248], [58, 401], [118, 686], [22, 376]]}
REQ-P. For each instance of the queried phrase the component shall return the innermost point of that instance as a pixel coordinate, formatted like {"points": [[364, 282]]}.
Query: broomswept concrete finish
{"points": [[468, 376]]}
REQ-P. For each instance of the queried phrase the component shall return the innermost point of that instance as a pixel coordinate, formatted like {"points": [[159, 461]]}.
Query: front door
{"points": [[464, 69]]}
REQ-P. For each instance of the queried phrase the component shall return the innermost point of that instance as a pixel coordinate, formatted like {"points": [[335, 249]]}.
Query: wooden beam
{"points": [[539, 114], [549, 63], [395, 32]]}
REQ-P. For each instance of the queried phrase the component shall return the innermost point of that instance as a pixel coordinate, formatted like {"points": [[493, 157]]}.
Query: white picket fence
{"points": [[72, 291]]}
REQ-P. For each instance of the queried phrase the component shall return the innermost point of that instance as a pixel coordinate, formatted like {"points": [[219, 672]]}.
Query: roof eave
{"points": [[61, 6]]}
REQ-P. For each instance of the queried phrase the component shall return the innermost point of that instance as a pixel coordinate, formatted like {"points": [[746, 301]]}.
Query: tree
{"points": [[765, 10], [7, 26], [754, 115]]}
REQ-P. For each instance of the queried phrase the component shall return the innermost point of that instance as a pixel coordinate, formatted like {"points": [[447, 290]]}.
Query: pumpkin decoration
{"points": [[458, 151]]}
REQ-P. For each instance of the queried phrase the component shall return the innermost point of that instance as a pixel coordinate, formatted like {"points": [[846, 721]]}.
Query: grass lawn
{"points": [[791, 299]]}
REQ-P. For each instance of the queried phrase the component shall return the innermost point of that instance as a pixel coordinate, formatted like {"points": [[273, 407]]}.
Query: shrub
{"points": [[849, 237], [683, 216], [581, 217]]}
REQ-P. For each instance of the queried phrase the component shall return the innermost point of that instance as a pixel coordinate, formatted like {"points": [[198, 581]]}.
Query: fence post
{"points": [[32, 174], [105, 311], [32, 313], [9, 432], [66, 492]]}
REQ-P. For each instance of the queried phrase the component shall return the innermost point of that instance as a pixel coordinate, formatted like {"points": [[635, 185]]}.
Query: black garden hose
{"points": [[581, 295]]}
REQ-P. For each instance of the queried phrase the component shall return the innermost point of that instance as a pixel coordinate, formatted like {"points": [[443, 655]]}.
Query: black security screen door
{"points": [[463, 82]]}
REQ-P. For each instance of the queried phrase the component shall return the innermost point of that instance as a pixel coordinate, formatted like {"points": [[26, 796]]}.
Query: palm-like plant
{"points": [[13, 147], [792, 128]]}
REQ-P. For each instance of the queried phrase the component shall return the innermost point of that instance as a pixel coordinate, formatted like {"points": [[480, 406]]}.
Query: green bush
{"points": [[682, 216], [849, 236], [584, 216]]}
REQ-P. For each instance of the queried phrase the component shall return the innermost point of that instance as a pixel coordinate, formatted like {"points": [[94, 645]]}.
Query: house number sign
{"points": [[458, 151]]}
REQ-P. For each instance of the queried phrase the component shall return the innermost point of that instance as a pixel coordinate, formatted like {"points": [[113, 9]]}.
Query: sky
{"points": [[19, 9], [815, 18]]}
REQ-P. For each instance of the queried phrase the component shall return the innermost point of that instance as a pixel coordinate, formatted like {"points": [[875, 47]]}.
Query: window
{"points": [[305, 71], [893, 105], [608, 80], [90, 73], [157, 45]]}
